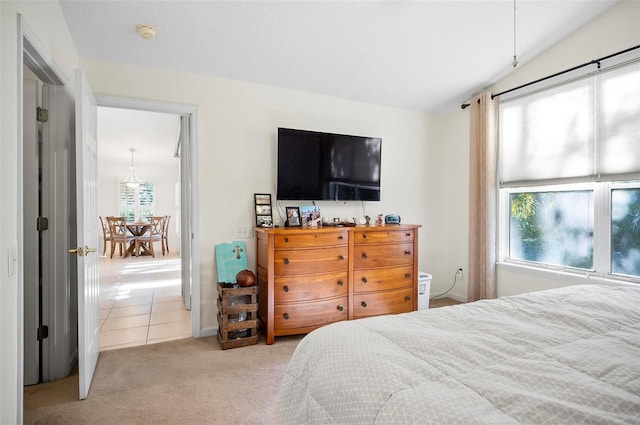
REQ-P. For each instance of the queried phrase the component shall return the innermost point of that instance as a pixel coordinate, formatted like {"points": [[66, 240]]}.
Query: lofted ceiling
{"points": [[423, 55]]}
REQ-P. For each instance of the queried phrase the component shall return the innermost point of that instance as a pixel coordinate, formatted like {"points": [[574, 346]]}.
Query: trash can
{"points": [[424, 290]]}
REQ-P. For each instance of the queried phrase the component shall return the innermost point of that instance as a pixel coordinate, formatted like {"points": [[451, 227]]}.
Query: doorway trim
{"points": [[189, 212], [32, 53]]}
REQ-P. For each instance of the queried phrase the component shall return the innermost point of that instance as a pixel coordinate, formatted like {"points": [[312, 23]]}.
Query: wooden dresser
{"points": [[309, 277]]}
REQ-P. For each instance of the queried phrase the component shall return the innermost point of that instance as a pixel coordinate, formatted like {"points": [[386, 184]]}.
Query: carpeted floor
{"points": [[188, 381]]}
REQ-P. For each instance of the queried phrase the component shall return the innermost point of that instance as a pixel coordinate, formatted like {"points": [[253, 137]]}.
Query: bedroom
{"points": [[242, 113]]}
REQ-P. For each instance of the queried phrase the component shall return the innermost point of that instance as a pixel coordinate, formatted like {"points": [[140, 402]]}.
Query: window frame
{"points": [[137, 207], [602, 244]]}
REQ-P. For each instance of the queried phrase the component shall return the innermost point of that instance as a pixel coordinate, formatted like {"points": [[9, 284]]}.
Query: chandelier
{"points": [[132, 180]]}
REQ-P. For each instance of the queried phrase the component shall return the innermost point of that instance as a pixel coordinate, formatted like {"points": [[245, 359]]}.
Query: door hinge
{"points": [[42, 115], [43, 332], [42, 223]]}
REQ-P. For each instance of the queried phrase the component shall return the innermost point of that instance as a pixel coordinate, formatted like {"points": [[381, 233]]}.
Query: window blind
{"points": [[137, 203], [587, 129]]}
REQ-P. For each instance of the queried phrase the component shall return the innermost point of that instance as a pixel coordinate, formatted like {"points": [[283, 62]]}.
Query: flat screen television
{"points": [[315, 166]]}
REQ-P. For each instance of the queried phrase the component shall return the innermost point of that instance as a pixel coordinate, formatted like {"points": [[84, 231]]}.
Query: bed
{"points": [[560, 356]]}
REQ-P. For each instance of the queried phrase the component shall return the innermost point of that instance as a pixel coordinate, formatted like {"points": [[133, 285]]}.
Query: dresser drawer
{"points": [[388, 302], [309, 314], [367, 280], [388, 236], [309, 287], [370, 256], [309, 261], [311, 239]]}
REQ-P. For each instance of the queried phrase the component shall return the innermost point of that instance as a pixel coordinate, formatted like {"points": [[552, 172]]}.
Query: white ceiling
{"points": [[153, 135], [425, 55]]}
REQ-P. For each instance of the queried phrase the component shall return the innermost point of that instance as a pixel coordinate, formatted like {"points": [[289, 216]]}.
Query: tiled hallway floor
{"points": [[140, 301]]}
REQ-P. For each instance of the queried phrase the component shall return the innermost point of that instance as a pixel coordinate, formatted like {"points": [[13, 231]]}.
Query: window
{"points": [[569, 172], [625, 231], [553, 227], [137, 203]]}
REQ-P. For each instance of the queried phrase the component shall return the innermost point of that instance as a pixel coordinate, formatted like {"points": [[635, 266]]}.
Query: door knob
{"points": [[81, 252]]}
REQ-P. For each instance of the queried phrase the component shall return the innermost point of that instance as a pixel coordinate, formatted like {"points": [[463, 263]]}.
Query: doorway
{"points": [[186, 217], [141, 298], [50, 294]]}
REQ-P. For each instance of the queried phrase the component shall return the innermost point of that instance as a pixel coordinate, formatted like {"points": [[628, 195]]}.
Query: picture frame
{"points": [[263, 210], [310, 216], [293, 217]]}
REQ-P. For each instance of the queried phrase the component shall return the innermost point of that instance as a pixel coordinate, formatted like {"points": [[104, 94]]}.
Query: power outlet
{"points": [[244, 232], [459, 273]]}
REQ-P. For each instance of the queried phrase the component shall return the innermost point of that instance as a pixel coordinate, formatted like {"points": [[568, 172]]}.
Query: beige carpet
{"points": [[189, 381]]}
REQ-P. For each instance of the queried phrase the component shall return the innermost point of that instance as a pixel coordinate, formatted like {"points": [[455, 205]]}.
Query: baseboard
{"points": [[208, 332], [454, 297]]}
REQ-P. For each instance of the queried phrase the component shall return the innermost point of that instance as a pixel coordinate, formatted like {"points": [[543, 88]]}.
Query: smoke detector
{"points": [[146, 31]]}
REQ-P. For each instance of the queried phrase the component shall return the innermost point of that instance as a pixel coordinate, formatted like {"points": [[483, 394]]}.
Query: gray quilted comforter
{"points": [[562, 356]]}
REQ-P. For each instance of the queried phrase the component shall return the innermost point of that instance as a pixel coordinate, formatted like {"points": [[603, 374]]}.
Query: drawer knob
{"points": [[341, 258], [364, 236], [363, 304], [286, 240], [340, 283], [364, 279], [408, 275], [340, 237], [340, 308], [407, 298], [286, 288], [364, 255], [407, 252], [408, 235], [286, 261], [286, 316]]}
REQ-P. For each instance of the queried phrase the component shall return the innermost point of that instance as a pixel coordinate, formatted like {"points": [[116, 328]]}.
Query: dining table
{"points": [[138, 229]]}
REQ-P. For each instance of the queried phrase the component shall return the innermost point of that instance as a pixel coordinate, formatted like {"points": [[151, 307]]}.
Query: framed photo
{"points": [[264, 216], [293, 216], [310, 216]]}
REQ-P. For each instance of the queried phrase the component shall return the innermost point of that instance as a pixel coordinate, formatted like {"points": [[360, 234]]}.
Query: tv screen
{"points": [[315, 166]]}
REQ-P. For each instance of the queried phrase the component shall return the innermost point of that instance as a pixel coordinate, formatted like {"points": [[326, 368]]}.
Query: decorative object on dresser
{"points": [[293, 217], [310, 216], [309, 277], [264, 214]]}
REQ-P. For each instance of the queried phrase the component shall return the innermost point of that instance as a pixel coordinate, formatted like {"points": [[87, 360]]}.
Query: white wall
{"points": [[46, 21], [237, 148]]}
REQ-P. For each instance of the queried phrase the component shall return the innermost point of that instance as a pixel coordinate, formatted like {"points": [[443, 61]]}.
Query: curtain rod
{"points": [[594, 61]]}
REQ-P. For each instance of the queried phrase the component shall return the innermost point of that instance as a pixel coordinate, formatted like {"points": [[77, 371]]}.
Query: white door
{"points": [[87, 237]]}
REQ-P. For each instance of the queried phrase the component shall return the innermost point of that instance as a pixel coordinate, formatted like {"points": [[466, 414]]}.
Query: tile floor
{"points": [[140, 301]]}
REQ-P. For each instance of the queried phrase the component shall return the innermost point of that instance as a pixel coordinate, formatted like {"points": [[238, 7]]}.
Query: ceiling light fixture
{"points": [[146, 31], [132, 179], [515, 60]]}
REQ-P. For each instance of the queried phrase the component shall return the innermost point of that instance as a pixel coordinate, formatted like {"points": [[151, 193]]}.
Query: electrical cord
{"points": [[455, 278]]}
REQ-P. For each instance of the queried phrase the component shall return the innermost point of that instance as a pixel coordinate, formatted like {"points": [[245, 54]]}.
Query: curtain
{"points": [[483, 197]]}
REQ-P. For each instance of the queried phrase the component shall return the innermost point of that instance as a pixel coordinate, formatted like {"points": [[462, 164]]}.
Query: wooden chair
{"points": [[154, 234], [119, 234], [106, 234], [165, 234]]}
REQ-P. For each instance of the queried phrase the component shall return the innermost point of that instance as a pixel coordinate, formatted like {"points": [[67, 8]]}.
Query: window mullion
{"points": [[602, 229]]}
